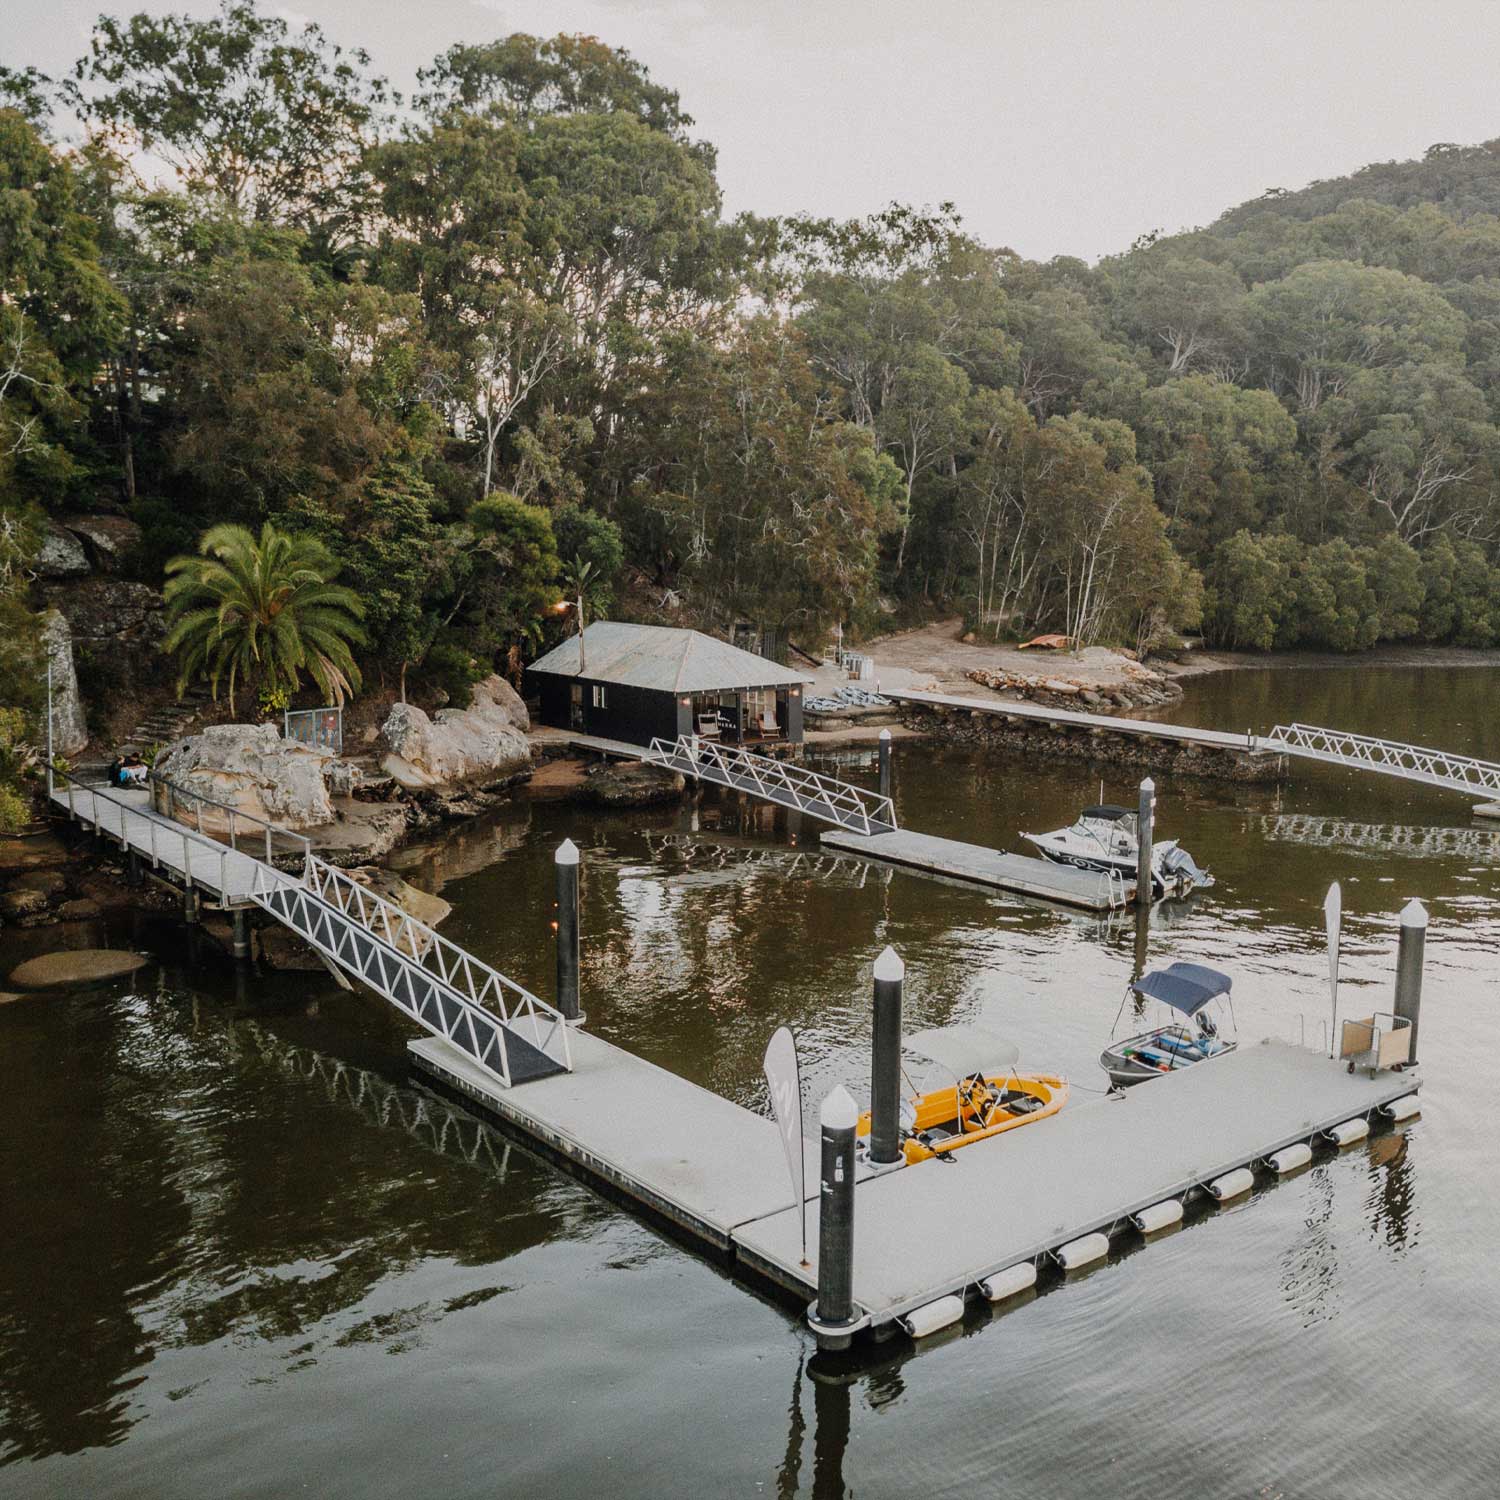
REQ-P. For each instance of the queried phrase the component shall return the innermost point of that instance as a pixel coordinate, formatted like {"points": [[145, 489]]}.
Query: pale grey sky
{"points": [[1056, 126]]}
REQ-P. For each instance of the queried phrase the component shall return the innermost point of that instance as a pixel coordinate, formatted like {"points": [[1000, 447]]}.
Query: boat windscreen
{"points": [[1185, 987], [963, 1050], [1107, 812]]}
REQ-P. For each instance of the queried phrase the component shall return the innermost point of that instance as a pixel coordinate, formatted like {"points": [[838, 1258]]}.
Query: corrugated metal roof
{"points": [[670, 660]]}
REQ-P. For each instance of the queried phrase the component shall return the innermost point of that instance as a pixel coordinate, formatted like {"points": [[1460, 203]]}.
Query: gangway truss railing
{"points": [[783, 782], [1455, 773], [441, 986]]}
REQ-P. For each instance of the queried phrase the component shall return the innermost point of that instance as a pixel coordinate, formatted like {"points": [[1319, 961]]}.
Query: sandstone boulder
{"points": [[70, 732], [61, 555], [252, 769], [478, 745], [634, 785], [105, 539], [110, 610]]}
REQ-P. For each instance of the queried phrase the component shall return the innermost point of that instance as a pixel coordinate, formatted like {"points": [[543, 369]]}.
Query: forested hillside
{"points": [[501, 335]]}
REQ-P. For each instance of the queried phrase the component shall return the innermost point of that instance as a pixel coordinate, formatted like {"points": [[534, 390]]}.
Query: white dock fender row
{"points": [[1403, 1108], [1231, 1184], [1007, 1283], [1289, 1158], [932, 1316], [1349, 1131], [1082, 1251], [1158, 1216]]}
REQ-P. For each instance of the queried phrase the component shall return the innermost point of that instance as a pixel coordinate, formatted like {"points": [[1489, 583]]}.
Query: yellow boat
{"points": [[986, 1098]]}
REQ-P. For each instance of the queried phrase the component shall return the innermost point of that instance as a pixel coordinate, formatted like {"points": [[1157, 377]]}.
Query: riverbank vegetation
{"points": [[466, 340]]}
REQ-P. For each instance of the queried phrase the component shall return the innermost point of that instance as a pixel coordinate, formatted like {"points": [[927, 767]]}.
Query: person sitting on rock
{"points": [[133, 771]]}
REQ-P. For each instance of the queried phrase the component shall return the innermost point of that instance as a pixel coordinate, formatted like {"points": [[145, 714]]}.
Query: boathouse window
{"points": [[599, 697]]}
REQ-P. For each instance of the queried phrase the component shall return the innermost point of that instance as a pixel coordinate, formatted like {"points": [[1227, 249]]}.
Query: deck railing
{"points": [[783, 782], [167, 796], [157, 838]]}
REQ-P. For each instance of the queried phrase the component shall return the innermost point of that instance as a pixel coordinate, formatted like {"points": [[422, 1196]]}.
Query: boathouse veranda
{"points": [[637, 683]]}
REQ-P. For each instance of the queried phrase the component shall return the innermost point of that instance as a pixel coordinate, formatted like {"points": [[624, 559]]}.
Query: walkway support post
{"points": [[885, 1070], [241, 920], [885, 763], [566, 865], [49, 726], [1145, 826], [832, 1317], [1409, 959], [190, 904], [133, 867]]}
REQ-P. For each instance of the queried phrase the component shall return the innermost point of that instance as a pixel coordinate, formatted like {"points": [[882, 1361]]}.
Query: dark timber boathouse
{"points": [[643, 682]]}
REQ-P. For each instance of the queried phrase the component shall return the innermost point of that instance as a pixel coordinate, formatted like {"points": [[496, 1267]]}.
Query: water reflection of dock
{"points": [[1313, 831]]}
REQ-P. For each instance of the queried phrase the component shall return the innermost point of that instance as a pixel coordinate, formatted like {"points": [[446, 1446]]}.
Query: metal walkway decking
{"points": [[1187, 734], [718, 1170], [1089, 890], [506, 1030], [783, 782]]}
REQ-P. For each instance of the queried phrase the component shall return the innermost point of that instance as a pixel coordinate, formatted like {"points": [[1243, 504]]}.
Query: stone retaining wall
{"points": [[1033, 738]]}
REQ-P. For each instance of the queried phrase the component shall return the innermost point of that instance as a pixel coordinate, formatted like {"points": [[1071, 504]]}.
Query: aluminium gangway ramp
{"points": [[1363, 752], [499, 1025], [785, 783]]}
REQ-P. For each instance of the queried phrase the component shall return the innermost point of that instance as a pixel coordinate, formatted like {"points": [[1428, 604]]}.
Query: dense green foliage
{"points": [[506, 331]]}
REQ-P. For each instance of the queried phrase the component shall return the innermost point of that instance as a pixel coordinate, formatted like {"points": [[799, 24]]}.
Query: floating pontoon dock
{"points": [[717, 1170], [1018, 873]]}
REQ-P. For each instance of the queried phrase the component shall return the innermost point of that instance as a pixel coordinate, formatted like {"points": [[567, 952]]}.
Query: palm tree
{"points": [[243, 603]]}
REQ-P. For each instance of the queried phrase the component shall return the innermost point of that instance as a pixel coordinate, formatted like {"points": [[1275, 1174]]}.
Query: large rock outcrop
{"points": [[474, 746], [252, 769], [70, 732], [60, 555]]}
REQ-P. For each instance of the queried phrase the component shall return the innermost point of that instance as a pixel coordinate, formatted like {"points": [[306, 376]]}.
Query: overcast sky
{"points": [[1056, 126]]}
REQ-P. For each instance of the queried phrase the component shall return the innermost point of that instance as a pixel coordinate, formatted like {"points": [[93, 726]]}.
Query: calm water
{"points": [[242, 1254]]}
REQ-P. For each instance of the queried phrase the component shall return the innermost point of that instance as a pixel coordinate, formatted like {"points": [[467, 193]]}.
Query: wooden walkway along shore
{"points": [[1017, 873], [717, 1170]]}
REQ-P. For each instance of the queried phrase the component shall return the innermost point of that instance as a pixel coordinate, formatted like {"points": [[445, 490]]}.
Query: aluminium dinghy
{"points": [[1192, 993]]}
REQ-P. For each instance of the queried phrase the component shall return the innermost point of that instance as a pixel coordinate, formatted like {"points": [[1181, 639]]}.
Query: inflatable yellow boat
{"points": [[986, 1098]]}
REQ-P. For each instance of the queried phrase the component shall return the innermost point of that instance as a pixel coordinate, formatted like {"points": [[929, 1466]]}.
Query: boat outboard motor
{"points": [[1178, 861]]}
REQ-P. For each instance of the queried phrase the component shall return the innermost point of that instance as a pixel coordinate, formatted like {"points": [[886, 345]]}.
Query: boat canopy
{"points": [[966, 1049], [1107, 812], [1185, 987]]}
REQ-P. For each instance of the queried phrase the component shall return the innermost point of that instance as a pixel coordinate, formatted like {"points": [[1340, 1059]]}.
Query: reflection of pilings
{"points": [[1390, 838], [702, 853], [424, 1117]]}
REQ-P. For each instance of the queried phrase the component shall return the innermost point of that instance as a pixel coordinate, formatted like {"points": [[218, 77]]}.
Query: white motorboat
{"points": [[1104, 838]]}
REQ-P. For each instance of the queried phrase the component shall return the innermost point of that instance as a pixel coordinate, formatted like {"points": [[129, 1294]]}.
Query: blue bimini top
{"points": [[1185, 987]]}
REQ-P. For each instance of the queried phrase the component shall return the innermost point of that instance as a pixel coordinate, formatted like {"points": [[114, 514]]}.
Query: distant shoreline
{"points": [[1201, 663]]}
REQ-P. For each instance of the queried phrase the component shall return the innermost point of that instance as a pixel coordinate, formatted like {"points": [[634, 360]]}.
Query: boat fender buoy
{"points": [[1289, 1158], [928, 1319], [1232, 1184], [1403, 1108], [1158, 1216], [1349, 1131], [1082, 1252], [1008, 1282]]}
